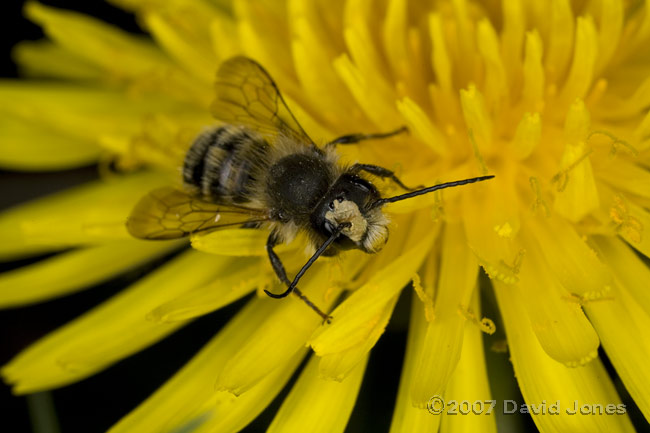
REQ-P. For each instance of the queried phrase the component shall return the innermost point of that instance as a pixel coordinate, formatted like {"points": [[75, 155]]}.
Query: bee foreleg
{"points": [[276, 263], [355, 138], [381, 172], [278, 267]]}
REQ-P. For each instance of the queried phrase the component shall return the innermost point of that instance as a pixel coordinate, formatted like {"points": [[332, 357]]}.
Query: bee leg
{"points": [[278, 267], [381, 172], [355, 138]]}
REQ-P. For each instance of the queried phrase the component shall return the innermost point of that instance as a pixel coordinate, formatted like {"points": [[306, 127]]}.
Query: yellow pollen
{"points": [[504, 230], [615, 142], [627, 225], [595, 296], [539, 200], [426, 299], [516, 263], [485, 325], [502, 271], [437, 208], [562, 177]]}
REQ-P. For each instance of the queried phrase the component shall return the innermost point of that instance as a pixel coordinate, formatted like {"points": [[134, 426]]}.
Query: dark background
{"points": [[96, 403]]}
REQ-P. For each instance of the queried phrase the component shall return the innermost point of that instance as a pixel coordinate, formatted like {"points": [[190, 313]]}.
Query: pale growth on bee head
{"points": [[347, 211], [377, 233]]}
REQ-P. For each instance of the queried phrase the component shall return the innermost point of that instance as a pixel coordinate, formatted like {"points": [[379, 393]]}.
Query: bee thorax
{"points": [[347, 211]]}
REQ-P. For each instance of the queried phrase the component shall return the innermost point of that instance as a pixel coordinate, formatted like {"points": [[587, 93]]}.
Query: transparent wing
{"points": [[247, 95], [167, 213]]}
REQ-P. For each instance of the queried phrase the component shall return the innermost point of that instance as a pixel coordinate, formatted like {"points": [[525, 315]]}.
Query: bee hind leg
{"points": [[355, 138]]}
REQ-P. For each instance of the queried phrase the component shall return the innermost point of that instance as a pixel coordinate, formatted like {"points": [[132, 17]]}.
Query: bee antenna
{"points": [[429, 189], [310, 262]]}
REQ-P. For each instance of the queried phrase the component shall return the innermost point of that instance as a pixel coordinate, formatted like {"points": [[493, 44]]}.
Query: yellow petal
{"points": [[469, 382], [581, 72], [313, 55], [190, 51], [241, 277], [458, 274], [512, 39], [576, 193], [632, 223], [83, 112], [46, 59], [263, 32], [570, 258], [360, 21], [110, 332], [406, 417], [627, 267], [76, 270], [622, 326], [491, 236], [92, 49], [185, 397], [533, 91], [318, 405], [528, 135], [496, 82], [625, 176], [78, 216], [395, 35], [93, 39], [223, 45], [116, 54], [440, 55], [237, 242], [561, 327], [560, 43], [233, 413], [542, 379], [422, 127], [465, 33], [28, 146], [282, 335], [476, 116], [609, 35], [337, 366], [373, 100]]}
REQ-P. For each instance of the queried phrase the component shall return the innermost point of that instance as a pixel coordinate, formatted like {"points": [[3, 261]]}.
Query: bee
{"points": [[261, 170]]}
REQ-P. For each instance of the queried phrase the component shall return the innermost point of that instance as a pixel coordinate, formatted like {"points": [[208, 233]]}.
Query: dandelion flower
{"points": [[550, 96]]}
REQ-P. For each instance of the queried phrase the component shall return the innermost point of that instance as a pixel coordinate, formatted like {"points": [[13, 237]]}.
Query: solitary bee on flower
{"points": [[550, 96], [263, 169]]}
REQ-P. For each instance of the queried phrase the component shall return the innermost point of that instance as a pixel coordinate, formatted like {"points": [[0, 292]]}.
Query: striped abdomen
{"points": [[224, 164]]}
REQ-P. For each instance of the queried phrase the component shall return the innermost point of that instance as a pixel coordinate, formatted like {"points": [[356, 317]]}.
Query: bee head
{"points": [[350, 202]]}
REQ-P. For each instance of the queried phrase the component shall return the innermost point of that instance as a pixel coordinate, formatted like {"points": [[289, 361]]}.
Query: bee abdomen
{"points": [[194, 164], [222, 163]]}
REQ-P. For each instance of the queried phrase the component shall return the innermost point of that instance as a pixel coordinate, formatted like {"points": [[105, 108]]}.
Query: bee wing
{"points": [[167, 213], [247, 95]]}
